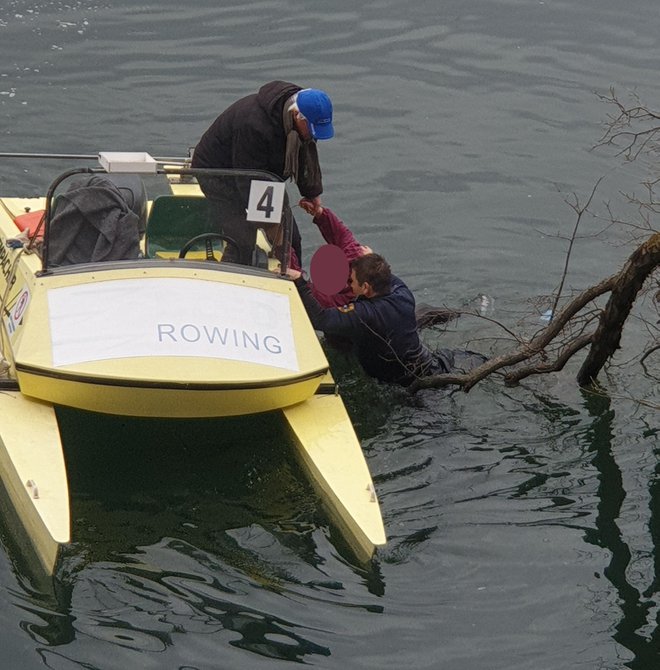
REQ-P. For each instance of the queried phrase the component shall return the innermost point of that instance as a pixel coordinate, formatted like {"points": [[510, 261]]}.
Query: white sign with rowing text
{"points": [[170, 317]]}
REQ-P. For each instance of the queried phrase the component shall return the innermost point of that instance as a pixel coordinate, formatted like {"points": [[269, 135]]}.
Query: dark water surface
{"points": [[523, 523]]}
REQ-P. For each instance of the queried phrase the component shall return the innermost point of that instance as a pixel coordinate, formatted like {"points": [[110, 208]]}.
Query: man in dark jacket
{"points": [[275, 130], [380, 322], [382, 326]]}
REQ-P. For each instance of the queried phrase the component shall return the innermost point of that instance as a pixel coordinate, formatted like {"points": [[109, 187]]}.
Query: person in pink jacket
{"points": [[335, 232]]}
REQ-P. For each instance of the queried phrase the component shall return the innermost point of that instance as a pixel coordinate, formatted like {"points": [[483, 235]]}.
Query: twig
{"points": [[580, 211]]}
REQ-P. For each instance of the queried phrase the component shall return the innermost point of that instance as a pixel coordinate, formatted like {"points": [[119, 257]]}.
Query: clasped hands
{"points": [[311, 206]]}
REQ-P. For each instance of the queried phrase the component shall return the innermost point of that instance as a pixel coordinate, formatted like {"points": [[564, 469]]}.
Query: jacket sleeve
{"points": [[334, 231], [347, 321]]}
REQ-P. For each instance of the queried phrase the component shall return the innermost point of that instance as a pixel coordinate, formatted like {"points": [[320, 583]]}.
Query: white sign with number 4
{"points": [[266, 201]]}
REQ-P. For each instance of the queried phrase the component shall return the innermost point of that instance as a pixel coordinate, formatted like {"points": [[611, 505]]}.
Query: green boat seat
{"points": [[176, 219], [173, 220]]}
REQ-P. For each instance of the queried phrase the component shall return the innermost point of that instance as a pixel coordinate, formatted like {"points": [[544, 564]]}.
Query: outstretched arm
{"points": [[346, 321], [333, 229]]}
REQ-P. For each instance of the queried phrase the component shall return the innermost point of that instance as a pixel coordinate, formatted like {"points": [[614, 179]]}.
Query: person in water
{"points": [[380, 323], [336, 232], [276, 130]]}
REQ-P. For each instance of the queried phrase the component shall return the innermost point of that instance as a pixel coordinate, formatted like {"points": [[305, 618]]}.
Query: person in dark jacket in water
{"points": [[381, 324], [335, 232], [276, 130]]}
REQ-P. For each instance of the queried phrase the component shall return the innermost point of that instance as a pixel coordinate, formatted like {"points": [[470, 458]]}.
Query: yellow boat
{"points": [[117, 303]]}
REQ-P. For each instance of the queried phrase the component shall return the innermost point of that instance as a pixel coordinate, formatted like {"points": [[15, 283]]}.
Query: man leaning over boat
{"points": [[275, 129]]}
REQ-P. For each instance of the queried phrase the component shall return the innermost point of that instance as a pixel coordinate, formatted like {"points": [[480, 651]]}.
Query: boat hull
{"points": [[330, 452], [34, 475], [102, 339], [124, 397], [161, 337]]}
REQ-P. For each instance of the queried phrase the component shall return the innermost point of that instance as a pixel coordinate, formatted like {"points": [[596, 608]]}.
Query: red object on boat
{"points": [[30, 221]]}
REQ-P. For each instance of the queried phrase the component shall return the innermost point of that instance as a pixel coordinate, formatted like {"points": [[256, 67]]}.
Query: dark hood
{"points": [[272, 96]]}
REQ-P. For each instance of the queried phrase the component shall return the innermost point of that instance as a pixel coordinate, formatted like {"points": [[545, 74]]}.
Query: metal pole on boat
{"points": [[62, 156], [94, 157]]}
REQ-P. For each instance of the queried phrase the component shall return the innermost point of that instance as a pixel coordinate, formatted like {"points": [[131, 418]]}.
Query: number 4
{"points": [[266, 201], [265, 205]]}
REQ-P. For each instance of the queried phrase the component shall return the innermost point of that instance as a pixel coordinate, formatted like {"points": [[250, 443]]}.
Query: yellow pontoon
{"points": [[119, 304]]}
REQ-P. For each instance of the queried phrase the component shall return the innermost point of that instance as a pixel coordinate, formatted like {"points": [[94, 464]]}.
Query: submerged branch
{"points": [[624, 288], [629, 282]]}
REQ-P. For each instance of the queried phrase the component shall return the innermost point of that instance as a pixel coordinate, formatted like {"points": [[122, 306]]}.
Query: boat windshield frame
{"points": [[176, 174]]}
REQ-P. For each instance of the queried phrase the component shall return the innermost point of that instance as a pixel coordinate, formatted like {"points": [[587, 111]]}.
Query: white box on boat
{"points": [[127, 161]]}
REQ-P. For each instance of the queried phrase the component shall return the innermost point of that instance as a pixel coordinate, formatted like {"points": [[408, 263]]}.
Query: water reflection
{"points": [[186, 591], [635, 606], [209, 531]]}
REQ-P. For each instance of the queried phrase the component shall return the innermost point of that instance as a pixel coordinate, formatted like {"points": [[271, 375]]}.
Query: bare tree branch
{"points": [[620, 130], [579, 211], [635, 130], [648, 352], [525, 351], [607, 337], [565, 355], [624, 288]]}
